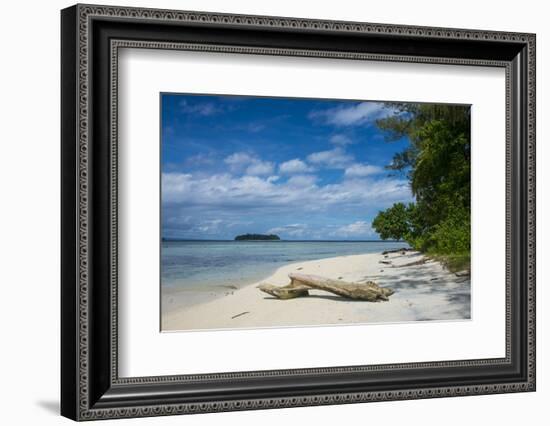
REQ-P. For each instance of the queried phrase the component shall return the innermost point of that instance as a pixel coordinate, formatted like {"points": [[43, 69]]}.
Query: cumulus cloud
{"points": [[294, 166], [199, 160], [301, 181], [340, 140], [299, 193], [242, 161], [362, 170], [209, 226], [293, 230], [352, 115], [260, 168], [185, 226], [200, 108], [238, 159], [194, 206], [358, 229], [335, 158]]}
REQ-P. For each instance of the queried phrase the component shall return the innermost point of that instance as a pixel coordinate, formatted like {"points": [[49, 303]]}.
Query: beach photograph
{"points": [[295, 212]]}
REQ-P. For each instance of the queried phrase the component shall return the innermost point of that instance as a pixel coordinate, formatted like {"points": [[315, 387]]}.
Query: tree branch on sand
{"points": [[300, 284]]}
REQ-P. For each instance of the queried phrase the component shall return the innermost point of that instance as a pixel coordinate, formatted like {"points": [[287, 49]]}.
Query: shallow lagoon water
{"points": [[203, 265]]}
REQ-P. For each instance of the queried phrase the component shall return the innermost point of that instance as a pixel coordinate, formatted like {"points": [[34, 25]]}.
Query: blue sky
{"points": [[304, 169]]}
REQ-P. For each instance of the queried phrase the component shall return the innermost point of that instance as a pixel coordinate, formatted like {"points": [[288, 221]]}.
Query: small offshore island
{"points": [[257, 237]]}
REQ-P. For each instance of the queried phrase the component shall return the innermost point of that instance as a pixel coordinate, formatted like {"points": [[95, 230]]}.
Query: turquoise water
{"points": [[197, 265]]}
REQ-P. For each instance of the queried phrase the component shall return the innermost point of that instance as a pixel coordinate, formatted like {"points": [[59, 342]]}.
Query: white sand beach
{"points": [[422, 292]]}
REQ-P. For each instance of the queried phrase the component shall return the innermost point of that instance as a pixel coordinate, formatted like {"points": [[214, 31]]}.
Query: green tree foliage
{"points": [[393, 223], [437, 165]]}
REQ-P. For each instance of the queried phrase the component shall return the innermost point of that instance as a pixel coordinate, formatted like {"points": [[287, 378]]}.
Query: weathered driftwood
{"points": [[287, 292], [400, 250], [364, 291], [301, 283]]}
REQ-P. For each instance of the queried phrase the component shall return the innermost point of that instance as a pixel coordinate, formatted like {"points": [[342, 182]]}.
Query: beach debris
{"points": [[241, 314], [385, 262], [400, 250], [299, 269], [465, 273], [415, 263], [289, 291], [300, 284]]}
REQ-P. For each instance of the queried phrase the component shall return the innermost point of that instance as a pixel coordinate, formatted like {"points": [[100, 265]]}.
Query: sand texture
{"points": [[422, 292]]}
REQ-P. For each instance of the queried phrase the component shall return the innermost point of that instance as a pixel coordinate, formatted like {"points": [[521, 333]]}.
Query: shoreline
{"points": [[232, 276], [423, 292]]}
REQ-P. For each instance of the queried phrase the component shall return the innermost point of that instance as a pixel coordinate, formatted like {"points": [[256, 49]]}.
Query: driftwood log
{"points": [[401, 250], [300, 284], [287, 292]]}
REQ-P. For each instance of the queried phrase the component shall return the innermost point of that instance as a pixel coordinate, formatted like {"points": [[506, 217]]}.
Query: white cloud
{"points": [[199, 160], [362, 170], [302, 181], [292, 230], [260, 168], [252, 165], [193, 204], [186, 226], [353, 115], [209, 226], [340, 140], [355, 230], [238, 159], [299, 194], [176, 183], [335, 158], [294, 166], [200, 108]]}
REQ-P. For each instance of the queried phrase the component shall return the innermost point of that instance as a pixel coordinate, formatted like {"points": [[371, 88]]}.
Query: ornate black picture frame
{"points": [[91, 386]]}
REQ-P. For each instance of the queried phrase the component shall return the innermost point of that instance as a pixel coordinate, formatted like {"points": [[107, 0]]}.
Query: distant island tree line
{"points": [[257, 237]]}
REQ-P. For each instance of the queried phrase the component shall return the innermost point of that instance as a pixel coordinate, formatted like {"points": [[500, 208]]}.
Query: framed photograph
{"points": [[263, 212]]}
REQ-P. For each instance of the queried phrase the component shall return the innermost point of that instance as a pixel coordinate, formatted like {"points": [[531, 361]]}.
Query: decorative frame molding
{"points": [[91, 37]]}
